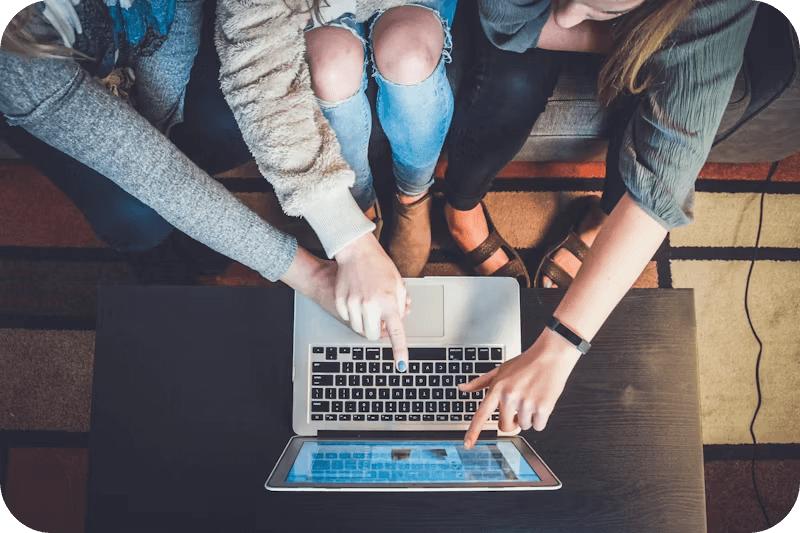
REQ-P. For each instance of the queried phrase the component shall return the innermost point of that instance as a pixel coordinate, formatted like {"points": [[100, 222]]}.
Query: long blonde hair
{"points": [[637, 36]]}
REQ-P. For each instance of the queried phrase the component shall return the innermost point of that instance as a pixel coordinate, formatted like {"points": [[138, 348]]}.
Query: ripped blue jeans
{"points": [[415, 118]]}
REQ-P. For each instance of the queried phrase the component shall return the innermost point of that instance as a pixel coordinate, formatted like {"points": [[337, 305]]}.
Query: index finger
{"points": [[488, 405], [397, 336]]}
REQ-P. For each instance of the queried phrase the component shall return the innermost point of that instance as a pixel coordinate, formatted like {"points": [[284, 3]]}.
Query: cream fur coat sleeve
{"points": [[267, 84]]}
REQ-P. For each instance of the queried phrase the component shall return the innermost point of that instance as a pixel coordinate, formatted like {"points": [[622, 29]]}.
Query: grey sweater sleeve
{"points": [[514, 25], [668, 140], [57, 101]]}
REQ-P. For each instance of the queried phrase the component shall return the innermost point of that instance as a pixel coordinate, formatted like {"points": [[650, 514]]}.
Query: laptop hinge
{"points": [[395, 435]]}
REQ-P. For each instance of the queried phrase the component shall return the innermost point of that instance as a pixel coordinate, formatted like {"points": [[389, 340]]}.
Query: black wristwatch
{"points": [[576, 340]]}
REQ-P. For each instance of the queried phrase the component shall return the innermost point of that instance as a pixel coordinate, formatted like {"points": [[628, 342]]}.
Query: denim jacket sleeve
{"points": [[267, 84], [668, 140], [59, 103]]}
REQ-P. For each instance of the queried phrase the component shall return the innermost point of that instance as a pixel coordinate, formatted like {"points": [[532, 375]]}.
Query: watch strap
{"points": [[576, 340]]}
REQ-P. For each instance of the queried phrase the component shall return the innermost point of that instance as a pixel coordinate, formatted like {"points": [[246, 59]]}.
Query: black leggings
{"points": [[499, 99]]}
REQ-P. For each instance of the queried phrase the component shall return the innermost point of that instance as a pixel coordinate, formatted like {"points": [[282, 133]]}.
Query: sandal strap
{"points": [[576, 246], [484, 250], [515, 268], [557, 274]]}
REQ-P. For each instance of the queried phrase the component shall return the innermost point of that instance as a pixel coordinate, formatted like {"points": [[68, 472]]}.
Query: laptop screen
{"points": [[405, 462]]}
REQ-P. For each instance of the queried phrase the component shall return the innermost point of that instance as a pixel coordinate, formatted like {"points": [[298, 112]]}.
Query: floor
{"points": [[50, 262]]}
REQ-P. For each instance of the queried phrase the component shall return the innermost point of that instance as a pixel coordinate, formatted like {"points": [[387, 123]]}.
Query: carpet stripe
{"points": [[703, 253], [744, 452], [47, 322]]}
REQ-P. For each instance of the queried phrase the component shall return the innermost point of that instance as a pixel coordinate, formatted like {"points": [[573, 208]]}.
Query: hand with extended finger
{"points": [[524, 389], [371, 294]]}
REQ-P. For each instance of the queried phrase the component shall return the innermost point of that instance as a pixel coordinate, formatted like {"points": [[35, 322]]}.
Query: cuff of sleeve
{"points": [[337, 221]]}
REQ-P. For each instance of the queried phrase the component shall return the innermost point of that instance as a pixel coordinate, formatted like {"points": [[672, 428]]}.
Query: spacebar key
{"points": [[427, 354]]}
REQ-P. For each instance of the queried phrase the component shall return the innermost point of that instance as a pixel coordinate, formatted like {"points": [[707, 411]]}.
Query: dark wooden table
{"points": [[191, 408]]}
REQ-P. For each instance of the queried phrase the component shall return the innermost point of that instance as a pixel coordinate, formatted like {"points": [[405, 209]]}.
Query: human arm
{"points": [[531, 383], [266, 82], [664, 147], [56, 101]]}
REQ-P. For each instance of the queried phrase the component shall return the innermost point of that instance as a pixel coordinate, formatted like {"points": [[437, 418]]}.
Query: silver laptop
{"points": [[361, 425]]}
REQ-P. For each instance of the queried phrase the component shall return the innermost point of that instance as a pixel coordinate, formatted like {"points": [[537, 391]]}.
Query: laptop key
{"points": [[354, 381], [437, 394], [331, 353], [373, 354], [485, 367], [440, 368], [347, 367], [374, 368], [400, 418], [428, 418], [455, 418], [386, 418], [380, 381], [427, 354], [411, 394], [367, 381], [363, 407], [416, 407], [444, 407], [337, 407], [467, 418], [427, 368], [341, 380], [470, 354], [344, 418], [373, 418], [357, 394], [442, 418], [344, 394], [421, 381], [413, 418], [317, 349], [404, 407], [387, 368], [408, 381], [413, 368], [370, 394], [483, 354], [316, 416], [358, 418], [424, 394], [325, 366], [349, 407], [450, 394], [458, 407], [358, 354], [361, 368], [316, 393], [497, 354], [330, 393], [434, 381], [322, 381], [329, 417], [383, 394], [455, 354], [430, 407], [391, 407], [397, 394], [377, 407]]}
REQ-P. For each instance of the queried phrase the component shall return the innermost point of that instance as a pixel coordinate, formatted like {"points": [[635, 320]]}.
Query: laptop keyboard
{"points": [[362, 385]]}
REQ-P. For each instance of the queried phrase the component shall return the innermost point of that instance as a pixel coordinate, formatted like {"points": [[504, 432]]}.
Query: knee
{"points": [[336, 59], [407, 43]]}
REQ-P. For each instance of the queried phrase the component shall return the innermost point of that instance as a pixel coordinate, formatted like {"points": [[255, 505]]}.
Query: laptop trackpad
{"points": [[426, 318]]}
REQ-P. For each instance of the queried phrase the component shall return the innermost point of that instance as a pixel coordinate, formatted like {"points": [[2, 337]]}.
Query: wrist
{"points": [[556, 326], [558, 347], [303, 273], [359, 247]]}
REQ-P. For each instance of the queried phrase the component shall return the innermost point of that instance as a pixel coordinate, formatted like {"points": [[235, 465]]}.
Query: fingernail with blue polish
{"points": [[401, 366]]}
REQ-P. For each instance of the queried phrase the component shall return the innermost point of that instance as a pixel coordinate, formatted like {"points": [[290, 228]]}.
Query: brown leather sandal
{"points": [[572, 243], [515, 268]]}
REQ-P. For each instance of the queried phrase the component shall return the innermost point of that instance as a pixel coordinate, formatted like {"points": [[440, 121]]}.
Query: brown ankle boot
{"points": [[410, 243]]}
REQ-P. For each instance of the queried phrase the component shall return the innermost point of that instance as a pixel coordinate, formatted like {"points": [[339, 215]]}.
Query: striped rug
{"points": [[50, 263]]}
